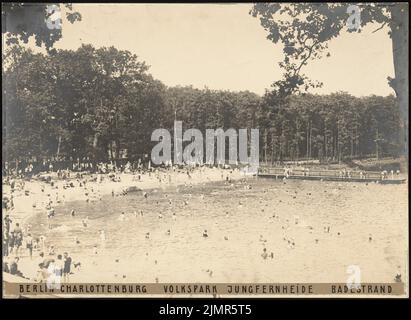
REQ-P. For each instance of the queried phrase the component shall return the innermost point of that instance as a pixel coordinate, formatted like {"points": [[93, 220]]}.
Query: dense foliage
{"points": [[22, 20], [305, 30], [103, 104]]}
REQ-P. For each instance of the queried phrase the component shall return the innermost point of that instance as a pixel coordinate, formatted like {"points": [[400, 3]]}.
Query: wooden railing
{"points": [[326, 173]]}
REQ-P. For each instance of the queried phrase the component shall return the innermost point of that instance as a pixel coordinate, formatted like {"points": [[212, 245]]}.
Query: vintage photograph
{"points": [[205, 150]]}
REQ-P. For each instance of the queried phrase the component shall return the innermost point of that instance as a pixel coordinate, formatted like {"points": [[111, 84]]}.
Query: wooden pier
{"points": [[330, 175]]}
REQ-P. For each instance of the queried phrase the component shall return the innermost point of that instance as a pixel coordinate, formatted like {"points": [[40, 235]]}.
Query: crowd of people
{"points": [[342, 174], [20, 243], [65, 168]]}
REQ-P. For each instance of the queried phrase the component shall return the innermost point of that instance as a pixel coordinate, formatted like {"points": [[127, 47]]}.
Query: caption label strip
{"points": [[204, 289]]}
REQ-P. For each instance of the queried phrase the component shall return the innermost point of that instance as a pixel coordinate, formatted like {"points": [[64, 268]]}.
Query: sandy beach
{"points": [[40, 192], [31, 198]]}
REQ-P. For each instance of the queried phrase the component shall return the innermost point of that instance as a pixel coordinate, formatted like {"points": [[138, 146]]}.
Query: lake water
{"points": [[368, 227]]}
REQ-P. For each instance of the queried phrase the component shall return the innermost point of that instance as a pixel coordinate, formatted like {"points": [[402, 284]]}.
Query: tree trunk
{"points": [[58, 146], [265, 146], [377, 141], [272, 149], [338, 142], [311, 131], [399, 36], [352, 142], [297, 141], [111, 150], [308, 141], [95, 140], [118, 148]]}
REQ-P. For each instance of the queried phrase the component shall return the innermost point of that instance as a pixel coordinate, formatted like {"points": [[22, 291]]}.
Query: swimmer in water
{"points": [[51, 250], [102, 235], [264, 254], [50, 215], [205, 234], [42, 242], [73, 213]]}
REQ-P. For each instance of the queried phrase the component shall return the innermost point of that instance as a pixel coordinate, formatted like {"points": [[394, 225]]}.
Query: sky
{"points": [[221, 46]]}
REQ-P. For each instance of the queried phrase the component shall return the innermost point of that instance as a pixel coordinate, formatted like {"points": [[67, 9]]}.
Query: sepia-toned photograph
{"points": [[240, 150]]}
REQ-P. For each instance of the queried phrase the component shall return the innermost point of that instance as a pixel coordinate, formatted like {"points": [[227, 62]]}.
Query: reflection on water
{"points": [[367, 227]]}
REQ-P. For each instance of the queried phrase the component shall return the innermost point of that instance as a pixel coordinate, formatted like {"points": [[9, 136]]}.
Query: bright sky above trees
{"points": [[223, 47]]}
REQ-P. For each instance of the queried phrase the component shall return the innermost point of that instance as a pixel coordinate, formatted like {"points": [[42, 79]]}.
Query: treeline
{"points": [[102, 104]]}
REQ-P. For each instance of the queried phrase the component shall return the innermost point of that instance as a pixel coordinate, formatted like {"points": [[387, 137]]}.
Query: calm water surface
{"points": [[368, 227]]}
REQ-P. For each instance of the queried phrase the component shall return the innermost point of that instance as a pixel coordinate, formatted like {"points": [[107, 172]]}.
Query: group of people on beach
{"points": [[55, 268], [65, 167], [342, 174], [13, 249], [19, 244], [384, 174], [13, 238]]}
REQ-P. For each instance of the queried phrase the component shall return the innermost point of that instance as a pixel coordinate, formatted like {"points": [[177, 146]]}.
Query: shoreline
{"points": [[41, 192]]}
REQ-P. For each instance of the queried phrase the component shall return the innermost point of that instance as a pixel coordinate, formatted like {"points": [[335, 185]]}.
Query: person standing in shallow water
{"points": [[7, 221], [58, 268], [5, 243], [264, 255], [18, 238], [29, 245], [67, 267], [103, 237]]}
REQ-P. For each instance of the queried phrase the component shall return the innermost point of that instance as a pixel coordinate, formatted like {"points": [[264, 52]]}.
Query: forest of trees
{"points": [[97, 102]]}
